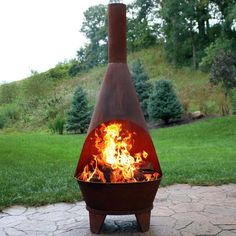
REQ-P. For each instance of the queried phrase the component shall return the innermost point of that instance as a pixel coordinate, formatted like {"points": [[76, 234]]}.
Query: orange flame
{"points": [[114, 163]]}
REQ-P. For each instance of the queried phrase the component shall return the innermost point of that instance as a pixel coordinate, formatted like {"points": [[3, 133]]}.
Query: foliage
{"points": [[143, 88], [8, 93], [163, 102], [94, 28], [188, 28], [221, 45], [36, 87], [141, 29], [57, 126], [76, 67], [59, 72], [223, 72], [79, 113]]}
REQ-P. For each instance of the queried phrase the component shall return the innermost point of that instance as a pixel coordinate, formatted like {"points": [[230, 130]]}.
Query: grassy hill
{"points": [[37, 100], [37, 168]]}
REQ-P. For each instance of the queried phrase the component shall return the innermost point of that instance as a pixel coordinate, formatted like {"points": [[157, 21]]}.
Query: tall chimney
{"points": [[117, 52]]}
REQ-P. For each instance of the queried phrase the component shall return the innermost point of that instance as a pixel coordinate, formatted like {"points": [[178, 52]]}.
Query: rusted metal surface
{"points": [[117, 99], [118, 102], [117, 33], [119, 198]]}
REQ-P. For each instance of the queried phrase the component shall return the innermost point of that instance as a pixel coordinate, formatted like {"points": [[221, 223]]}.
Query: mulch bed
{"points": [[183, 120]]}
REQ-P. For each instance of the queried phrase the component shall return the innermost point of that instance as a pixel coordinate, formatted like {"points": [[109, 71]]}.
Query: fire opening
{"points": [[115, 160]]}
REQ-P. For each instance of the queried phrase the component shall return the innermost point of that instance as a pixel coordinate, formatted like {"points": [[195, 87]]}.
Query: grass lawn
{"points": [[38, 168]]}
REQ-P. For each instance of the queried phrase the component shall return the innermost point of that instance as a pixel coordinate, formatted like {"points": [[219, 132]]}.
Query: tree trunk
{"points": [[193, 50], [166, 120]]}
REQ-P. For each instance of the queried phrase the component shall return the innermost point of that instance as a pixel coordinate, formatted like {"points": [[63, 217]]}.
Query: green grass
{"points": [[38, 168]]}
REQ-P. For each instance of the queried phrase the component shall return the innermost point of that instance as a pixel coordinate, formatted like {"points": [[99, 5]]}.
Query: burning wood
{"points": [[114, 162]]}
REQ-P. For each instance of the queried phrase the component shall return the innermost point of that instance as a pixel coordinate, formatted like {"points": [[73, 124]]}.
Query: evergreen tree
{"points": [[143, 88], [79, 114], [163, 102]]}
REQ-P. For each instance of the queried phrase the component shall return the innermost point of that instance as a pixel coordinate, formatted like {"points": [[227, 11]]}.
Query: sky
{"points": [[35, 35]]}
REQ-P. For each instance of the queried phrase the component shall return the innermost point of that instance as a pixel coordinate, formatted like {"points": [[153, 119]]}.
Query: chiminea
{"points": [[118, 171]]}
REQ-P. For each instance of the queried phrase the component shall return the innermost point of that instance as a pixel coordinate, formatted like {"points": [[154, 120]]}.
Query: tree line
{"points": [[193, 32]]}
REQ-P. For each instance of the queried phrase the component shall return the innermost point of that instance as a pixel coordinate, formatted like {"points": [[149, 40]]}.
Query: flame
{"points": [[114, 162]]}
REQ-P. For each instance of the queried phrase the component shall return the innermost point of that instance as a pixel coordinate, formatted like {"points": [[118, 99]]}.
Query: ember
{"points": [[114, 162]]}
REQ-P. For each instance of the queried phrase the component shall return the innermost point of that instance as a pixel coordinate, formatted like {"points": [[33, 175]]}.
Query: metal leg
{"points": [[96, 222], [144, 220]]}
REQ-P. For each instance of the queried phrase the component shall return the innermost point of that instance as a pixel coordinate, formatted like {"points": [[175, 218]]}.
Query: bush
{"points": [[57, 126], [9, 113], [223, 73], [163, 102], [8, 93], [211, 52]]}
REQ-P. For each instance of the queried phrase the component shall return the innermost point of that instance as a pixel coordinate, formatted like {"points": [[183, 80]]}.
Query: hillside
{"points": [[41, 97]]}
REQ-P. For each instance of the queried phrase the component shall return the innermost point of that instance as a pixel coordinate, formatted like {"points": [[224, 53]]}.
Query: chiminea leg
{"points": [[96, 222], [144, 220]]}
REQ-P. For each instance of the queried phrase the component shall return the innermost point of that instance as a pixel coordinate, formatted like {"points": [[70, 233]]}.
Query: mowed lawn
{"points": [[38, 168]]}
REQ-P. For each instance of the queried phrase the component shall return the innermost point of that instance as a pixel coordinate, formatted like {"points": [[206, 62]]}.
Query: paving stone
{"points": [[162, 230], [160, 221], [35, 225], [75, 232], [2, 233], [221, 210], [193, 216], [226, 233], [51, 216], [178, 187], [10, 221], [15, 210], [227, 227], [182, 223], [162, 211], [15, 232], [201, 228], [188, 207], [180, 198]]}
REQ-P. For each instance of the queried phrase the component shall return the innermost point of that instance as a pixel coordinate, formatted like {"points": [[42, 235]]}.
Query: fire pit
{"points": [[118, 171]]}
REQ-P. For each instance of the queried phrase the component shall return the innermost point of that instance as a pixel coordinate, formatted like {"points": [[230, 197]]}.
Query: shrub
{"points": [[211, 52], [57, 126], [8, 93], [79, 114], [223, 73], [163, 102]]}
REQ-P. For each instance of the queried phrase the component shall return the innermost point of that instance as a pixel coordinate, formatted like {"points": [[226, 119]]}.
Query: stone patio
{"points": [[178, 210]]}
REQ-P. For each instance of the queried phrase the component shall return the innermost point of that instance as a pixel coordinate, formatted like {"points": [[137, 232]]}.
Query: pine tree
{"points": [[143, 88], [79, 114], [163, 102]]}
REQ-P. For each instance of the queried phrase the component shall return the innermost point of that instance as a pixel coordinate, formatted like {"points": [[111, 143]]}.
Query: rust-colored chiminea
{"points": [[118, 171]]}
